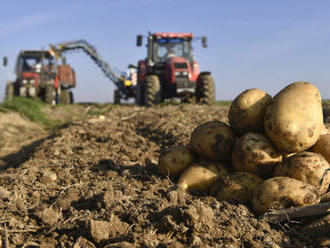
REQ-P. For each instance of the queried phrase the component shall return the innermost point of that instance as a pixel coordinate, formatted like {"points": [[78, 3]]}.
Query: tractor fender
{"points": [[205, 73]]}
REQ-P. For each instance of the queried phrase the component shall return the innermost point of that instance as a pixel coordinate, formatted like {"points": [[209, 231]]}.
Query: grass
{"points": [[223, 103], [326, 102], [30, 108], [34, 110], [97, 109]]}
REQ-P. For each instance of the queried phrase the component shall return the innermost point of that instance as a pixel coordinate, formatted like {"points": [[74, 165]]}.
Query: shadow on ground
{"points": [[14, 160]]}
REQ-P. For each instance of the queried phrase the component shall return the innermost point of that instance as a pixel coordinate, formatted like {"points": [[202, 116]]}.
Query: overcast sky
{"points": [[252, 44]]}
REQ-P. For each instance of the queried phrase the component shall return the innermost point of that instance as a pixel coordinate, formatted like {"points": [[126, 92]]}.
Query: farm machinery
{"points": [[39, 76], [171, 71], [124, 87]]}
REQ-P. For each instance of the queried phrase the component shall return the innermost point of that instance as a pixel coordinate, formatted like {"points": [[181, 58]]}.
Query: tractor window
{"points": [[31, 64], [167, 48], [37, 64], [49, 64]]}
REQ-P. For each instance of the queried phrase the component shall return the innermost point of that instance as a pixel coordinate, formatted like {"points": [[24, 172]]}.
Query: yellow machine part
{"points": [[128, 82]]}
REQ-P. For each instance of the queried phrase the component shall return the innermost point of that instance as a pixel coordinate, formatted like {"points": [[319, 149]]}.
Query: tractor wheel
{"points": [[49, 94], [65, 97], [205, 91], [57, 98], [152, 90], [116, 97], [139, 98], [71, 97], [10, 91]]}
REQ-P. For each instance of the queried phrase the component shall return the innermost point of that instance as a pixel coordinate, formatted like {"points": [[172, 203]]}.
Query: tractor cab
{"points": [[34, 69], [35, 62], [170, 69], [39, 76], [165, 48]]}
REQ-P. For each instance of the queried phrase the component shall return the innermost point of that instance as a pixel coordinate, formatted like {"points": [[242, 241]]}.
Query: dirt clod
{"points": [[83, 243], [48, 216], [99, 230]]}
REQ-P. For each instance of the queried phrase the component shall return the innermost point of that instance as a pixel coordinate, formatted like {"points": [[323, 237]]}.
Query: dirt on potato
{"points": [[95, 183]]}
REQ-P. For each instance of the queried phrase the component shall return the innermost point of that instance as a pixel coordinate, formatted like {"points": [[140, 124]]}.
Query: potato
{"points": [[175, 160], [308, 167], [283, 192], [322, 146], [238, 187], [201, 176], [213, 140], [294, 120], [246, 113], [254, 153]]}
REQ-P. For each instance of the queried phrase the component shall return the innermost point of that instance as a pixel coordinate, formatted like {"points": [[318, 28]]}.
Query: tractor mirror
{"points": [[139, 40], [63, 60], [5, 61], [204, 41]]}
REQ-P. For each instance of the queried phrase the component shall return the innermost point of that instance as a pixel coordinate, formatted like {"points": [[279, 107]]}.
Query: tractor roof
{"points": [[35, 53], [172, 35]]}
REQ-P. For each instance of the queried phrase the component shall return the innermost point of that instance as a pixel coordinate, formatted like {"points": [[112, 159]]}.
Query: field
{"points": [[86, 176]]}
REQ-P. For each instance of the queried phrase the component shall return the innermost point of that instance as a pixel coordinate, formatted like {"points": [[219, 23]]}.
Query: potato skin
{"points": [[294, 120], [283, 192], [201, 176], [175, 160], [308, 167], [246, 113], [213, 140], [238, 187], [322, 146], [254, 153]]}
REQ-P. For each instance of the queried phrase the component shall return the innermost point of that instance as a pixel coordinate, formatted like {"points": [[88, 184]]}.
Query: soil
{"points": [[16, 132], [95, 183]]}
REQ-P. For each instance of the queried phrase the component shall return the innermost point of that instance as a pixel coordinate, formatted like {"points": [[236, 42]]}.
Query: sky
{"points": [[252, 44]]}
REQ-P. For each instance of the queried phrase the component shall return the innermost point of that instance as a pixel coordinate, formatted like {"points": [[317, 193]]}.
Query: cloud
{"points": [[15, 25]]}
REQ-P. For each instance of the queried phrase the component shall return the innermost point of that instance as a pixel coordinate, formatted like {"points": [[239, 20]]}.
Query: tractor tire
{"points": [[116, 97], [71, 97], [10, 91], [152, 90], [49, 95], [65, 97], [205, 91], [139, 98]]}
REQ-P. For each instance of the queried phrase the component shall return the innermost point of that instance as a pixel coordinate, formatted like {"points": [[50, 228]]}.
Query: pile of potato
{"points": [[274, 154]]}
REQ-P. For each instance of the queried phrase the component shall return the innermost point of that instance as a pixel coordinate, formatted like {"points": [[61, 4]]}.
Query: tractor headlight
{"points": [[177, 73], [24, 81]]}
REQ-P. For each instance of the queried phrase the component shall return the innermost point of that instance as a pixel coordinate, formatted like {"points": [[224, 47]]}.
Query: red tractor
{"points": [[39, 76], [171, 71]]}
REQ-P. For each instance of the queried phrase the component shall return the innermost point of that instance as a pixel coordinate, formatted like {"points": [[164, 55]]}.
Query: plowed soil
{"points": [[95, 184]]}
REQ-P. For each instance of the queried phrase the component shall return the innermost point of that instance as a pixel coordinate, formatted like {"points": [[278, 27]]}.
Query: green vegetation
{"points": [[326, 102], [37, 111], [30, 108], [97, 109], [223, 103]]}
